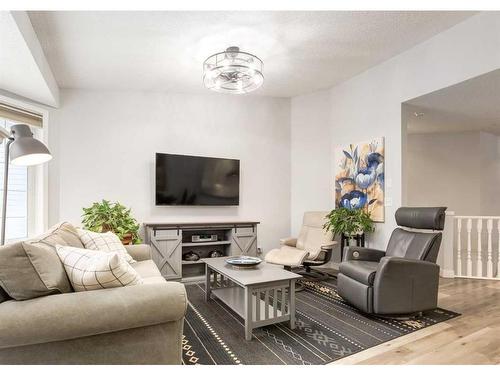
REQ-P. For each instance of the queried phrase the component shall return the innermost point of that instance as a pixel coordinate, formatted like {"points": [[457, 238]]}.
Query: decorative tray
{"points": [[243, 261]]}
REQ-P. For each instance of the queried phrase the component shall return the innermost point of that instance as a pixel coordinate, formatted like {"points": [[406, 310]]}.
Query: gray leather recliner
{"points": [[405, 278]]}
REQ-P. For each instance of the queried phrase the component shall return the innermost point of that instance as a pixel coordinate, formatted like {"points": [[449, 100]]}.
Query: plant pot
{"points": [[127, 239]]}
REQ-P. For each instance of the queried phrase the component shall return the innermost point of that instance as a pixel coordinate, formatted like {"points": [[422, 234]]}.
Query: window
{"points": [[17, 194], [27, 194]]}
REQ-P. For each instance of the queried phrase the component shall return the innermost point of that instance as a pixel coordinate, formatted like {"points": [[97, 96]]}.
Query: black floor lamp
{"points": [[23, 149]]}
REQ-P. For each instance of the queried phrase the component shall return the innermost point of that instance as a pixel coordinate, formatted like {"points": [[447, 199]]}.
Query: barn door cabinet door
{"points": [[244, 241], [166, 247]]}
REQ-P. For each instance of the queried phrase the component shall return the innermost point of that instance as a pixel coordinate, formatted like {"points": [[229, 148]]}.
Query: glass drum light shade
{"points": [[233, 72], [26, 150]]}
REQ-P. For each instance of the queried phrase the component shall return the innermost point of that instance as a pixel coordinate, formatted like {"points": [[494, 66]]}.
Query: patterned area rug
{"points": [[327, 329]]}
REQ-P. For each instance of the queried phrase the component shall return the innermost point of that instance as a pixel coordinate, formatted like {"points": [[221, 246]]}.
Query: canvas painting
{"points": [[359, 177]]}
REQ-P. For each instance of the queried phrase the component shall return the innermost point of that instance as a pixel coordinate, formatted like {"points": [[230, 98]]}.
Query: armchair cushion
{"points": [[286, 256], [328, 245], [289, 241], [360, 270]]}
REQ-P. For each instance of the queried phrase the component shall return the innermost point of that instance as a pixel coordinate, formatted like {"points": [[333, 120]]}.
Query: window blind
{"points": [[20, 115]]}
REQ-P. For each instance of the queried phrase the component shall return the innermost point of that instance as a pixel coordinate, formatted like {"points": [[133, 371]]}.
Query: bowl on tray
{"points": [[243, 261]]}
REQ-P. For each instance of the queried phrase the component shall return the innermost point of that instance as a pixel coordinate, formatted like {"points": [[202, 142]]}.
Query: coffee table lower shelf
{"points": [[234, 297], [259, 304]]}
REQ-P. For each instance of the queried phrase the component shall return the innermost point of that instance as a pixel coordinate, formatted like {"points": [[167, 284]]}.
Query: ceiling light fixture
{"points": [[233, 72]]}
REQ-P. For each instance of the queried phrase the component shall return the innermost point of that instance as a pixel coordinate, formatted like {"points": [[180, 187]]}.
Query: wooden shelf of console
{"points": [[170, 240]]}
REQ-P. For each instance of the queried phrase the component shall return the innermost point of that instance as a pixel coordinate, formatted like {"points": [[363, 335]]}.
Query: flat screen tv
{"points": [[183, 180]]}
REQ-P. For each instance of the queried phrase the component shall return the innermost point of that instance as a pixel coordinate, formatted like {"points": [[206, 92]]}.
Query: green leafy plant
{"points": [[105, 216], [349, 222]]}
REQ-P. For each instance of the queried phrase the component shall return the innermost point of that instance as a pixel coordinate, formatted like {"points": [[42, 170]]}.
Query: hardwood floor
{"points": [[473, 338]]}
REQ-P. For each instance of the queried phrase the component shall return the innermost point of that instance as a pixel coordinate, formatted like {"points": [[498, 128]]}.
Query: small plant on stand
{"points": [[349, 222]]}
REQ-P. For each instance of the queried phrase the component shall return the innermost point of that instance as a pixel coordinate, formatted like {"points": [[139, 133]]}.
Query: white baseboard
{"points": [[448, 274]]}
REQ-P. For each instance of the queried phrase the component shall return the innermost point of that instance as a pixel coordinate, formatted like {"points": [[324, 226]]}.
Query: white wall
{"points": [[369, 105], [457, 170], [104, 145], [490, 174], [445, 170], [310, 156]]}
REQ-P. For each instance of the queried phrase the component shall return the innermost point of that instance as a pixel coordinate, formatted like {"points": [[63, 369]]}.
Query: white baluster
{"points": [[498, 260], [489, 263], [469, 247], [479, 266], [459, 247]]}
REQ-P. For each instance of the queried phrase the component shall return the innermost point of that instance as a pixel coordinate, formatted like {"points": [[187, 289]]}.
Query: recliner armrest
{"points": [[405, 285], [362, 253], [289, 241], [405, 267]]}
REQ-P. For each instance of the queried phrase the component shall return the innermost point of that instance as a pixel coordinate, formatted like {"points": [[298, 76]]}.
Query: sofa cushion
{"points": [[92, 269], [18, 276], [36, 272], [3, 295], [63, 233], [359, 270], [48, 266], [108, 242]]}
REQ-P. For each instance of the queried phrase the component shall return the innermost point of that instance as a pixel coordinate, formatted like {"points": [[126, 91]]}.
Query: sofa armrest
{"points": [[80, 314], [139, 252], [362, 253], [289, 241]]}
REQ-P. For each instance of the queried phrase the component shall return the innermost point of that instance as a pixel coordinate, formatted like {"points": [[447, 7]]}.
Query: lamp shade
{"points": [[26, 150]]}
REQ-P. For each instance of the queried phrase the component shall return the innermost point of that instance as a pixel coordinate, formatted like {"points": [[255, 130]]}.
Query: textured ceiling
{"points": [[472, 105], [164, 51]]}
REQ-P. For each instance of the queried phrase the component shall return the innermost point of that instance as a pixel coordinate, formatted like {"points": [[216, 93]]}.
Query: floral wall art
{"points": [[359, 177]]}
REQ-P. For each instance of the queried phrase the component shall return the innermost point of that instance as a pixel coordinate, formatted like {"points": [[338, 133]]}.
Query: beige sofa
{"points": [[140, 324]]}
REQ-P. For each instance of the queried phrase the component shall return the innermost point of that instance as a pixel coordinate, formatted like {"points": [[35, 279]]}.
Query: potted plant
{"points": [[105, 216], [349, 222]]}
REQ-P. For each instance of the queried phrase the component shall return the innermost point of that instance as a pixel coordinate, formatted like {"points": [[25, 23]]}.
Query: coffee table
{"points": [[261, 296]]}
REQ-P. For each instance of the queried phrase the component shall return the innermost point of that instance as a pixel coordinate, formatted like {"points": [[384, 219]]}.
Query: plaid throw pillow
{"points": [[108, 242], [91, 269]]}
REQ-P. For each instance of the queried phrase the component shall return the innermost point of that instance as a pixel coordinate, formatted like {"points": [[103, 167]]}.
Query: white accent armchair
{"points": [[313, 247]]}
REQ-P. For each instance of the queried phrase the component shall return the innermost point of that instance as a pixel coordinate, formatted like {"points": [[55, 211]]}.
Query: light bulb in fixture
{"points": [[233, 71]]}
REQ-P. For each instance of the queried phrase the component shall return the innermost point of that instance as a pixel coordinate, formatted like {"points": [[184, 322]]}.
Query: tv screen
{"points": [[196, 181]]}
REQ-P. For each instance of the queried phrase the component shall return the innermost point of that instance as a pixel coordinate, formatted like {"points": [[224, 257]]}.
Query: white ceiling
{"points": [[164, 51], [472, 105], [23, 68]]}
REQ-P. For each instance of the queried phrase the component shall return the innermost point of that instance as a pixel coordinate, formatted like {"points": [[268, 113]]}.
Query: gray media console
{"points": [[170, 241]]}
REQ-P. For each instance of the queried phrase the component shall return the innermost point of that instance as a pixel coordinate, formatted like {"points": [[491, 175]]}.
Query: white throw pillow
{"points": [[91, 269], [108, 242]]}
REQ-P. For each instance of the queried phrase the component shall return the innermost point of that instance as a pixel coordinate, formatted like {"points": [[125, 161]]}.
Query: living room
{"points": [[253, 175]]}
